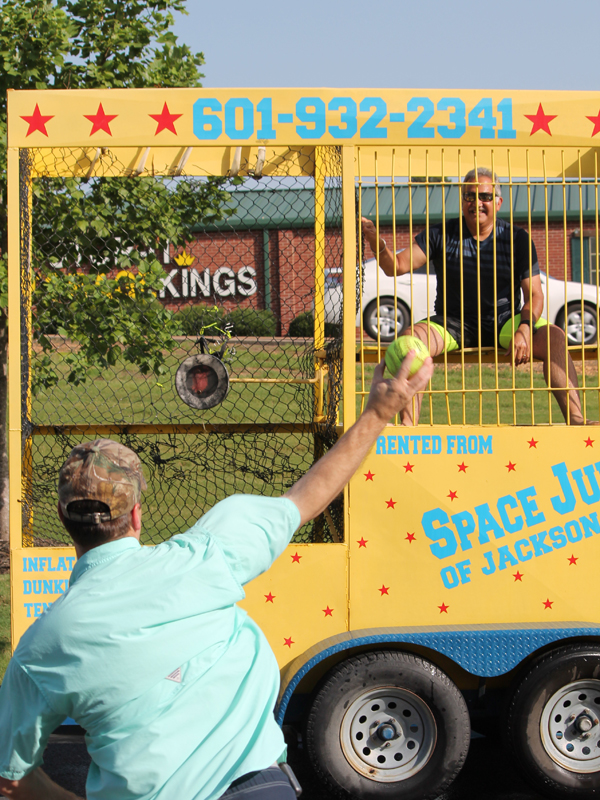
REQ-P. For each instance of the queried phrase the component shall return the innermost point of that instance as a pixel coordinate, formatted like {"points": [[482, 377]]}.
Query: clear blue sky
{"points": [[461, 44]]}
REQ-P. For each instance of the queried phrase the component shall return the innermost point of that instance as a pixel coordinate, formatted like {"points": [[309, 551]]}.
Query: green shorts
{"points": [[453, 332]]}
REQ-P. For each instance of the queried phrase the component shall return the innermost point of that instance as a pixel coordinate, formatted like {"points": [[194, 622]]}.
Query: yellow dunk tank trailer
{"points": [[456, 574]]}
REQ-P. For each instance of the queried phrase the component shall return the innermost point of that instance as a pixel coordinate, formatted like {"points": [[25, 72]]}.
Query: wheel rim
{"points": [[570, 726], [390, 321], [575, 326], [388, 734]]}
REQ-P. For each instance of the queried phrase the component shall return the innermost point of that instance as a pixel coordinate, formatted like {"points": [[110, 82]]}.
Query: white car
{"points": [[390, 325]]}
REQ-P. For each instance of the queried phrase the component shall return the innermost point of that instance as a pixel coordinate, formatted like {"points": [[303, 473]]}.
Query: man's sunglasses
{"points": [[471, 197]]}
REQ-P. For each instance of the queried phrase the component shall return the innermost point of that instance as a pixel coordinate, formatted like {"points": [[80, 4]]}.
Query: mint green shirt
{"points": [[174, 684]]}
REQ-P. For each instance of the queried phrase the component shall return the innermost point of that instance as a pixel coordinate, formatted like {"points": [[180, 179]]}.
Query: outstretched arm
{"points": [[533, 296], [386, 256], [35, 786], [326, 479]]}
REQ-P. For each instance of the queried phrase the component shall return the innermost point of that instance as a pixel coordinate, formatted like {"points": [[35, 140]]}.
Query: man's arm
{"points": [[386, 256], [35, 786], [326, 479], [533, 295]]}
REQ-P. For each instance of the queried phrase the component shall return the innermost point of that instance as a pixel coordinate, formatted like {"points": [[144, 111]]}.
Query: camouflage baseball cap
{"points": [[101, 470]]}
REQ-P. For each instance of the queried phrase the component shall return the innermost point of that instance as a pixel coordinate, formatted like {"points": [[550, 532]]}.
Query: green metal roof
{"points": [[268, 208]]}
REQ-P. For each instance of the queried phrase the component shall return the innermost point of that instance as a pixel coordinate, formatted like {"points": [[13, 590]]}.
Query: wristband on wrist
{"points": [[529, 322]]}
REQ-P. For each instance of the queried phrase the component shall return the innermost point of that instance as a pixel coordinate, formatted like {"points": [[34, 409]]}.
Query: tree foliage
{"points": [[82, 230]]}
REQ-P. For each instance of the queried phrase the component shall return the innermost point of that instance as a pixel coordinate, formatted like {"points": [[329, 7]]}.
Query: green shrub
{"points": [[251, 322], [200, 320], [304, 325], [209, 321]]}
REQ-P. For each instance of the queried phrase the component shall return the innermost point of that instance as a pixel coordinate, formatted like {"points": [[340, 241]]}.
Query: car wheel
{"points": [[579, 326], [383, 317], [387, 725], [553, 725]]}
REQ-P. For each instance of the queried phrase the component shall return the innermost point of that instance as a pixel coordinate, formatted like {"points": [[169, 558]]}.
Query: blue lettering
{"points": [[403, 445], [347, 117], [501, 505], [47, 587], [573, 531], [380, 449], [50, 567], [530, 507], [437, 444], [461, 445], [539, 548], [487, 524], [520, 546], [415, 440], [491, 567], [589, 472], [417, 129], [558, 539], [450, 444], [391, 444], [32, 565], [485, 444], [62, 564], [312, 111], [566, 504], [443, 534], [449, 577], [207, 126], [472, 444], [71, 560], [505, 557], [231, 107], [28, 606], [456, 117], [26, 587], [464, 570], [465, 524], [37, 609], [371, 129], [426, 445], [590, 524]]}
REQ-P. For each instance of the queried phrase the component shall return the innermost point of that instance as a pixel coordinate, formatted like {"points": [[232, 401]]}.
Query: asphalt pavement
{"points": [[485, 776]]}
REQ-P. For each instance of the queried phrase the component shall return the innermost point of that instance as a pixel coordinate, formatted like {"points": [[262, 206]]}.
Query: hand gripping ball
{"points": [[399, 349]]}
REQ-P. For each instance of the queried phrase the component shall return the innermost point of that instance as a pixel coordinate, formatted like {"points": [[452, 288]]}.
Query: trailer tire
{"points": [[553, 723], [387, 724]]}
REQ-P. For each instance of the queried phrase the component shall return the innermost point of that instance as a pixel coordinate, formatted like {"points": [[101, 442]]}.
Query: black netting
{"points": [[131, 275]]}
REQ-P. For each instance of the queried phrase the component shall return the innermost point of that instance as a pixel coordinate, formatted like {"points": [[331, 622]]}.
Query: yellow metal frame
{"points": [[315, 592]]}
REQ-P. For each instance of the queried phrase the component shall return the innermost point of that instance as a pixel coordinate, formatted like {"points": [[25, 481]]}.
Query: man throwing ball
{"points": [[173, 683], [477, 311]]}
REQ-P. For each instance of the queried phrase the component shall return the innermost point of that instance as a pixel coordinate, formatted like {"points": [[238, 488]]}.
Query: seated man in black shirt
{"points": [[499, 313]]}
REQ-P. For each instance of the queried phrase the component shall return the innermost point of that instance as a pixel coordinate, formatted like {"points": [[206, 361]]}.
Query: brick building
{"points": [[262, 256]]}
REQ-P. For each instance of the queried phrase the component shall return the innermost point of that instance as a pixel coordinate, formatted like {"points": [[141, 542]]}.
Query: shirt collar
{"points": [[104, 552]]}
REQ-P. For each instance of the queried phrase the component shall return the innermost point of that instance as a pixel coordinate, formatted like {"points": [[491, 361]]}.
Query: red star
{"points": [[548, 603], [573, 560], [452, 495], [391, 503], [384, 589], [462, 467], [369, 475], [410, 537], [37, 121], [328, 611], [596, 121], [100, 121], [408, 467], [532, 443], [518, 576], [589, 442], [296, 558], [510, 466], [443, 608], [541, 121], [270, 597], [288, 642], [165, 120], [362, 542]]}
